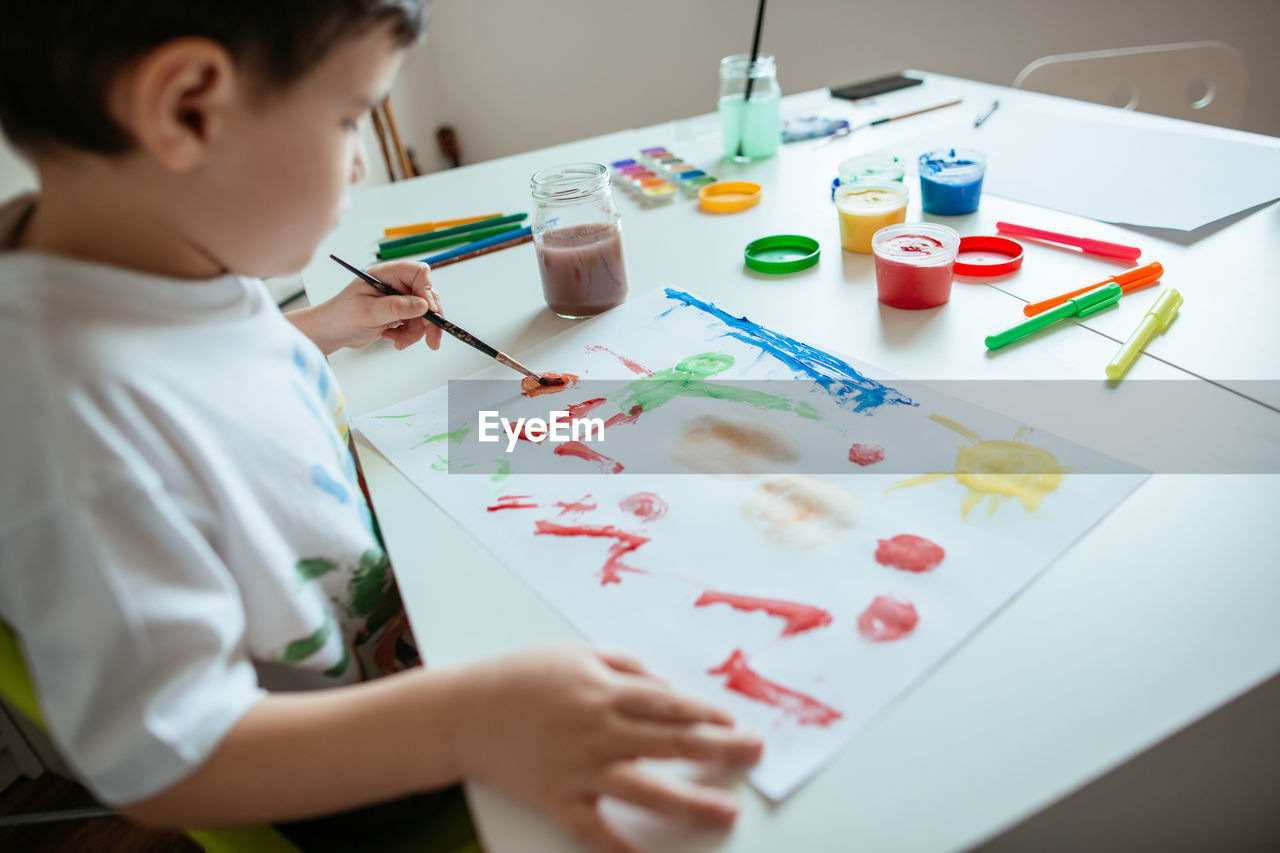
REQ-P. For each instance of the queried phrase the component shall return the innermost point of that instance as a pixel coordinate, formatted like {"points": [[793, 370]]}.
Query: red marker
{"points": [[1088, 244]]}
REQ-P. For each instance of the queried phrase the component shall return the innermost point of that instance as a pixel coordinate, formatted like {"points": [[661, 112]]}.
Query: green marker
{"points": [[424, 246], [449, 232], [1082, 306]]}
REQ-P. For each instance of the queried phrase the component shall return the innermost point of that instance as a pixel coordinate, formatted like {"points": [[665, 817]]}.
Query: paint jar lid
{"points": [[729, 196], [782, 253], [987, 256]]}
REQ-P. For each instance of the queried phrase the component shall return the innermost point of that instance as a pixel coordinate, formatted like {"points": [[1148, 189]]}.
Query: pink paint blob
{"points": [[887, 619], [806, 710], [581, 506], [799, 617], [644, 505], [909, 553], [866, 454], [613, 567], [530, 387], [634, 367], [581, 451], [512, 502]]}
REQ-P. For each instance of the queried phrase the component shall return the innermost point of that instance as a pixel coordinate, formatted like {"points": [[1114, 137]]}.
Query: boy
{"points": [[184, 551]]}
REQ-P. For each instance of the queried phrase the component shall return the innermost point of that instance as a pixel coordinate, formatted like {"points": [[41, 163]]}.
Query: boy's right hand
{"points": [[561, 726]]}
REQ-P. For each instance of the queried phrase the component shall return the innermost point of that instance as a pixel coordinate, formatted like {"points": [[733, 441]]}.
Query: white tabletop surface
{"points": [[1161, 613]]}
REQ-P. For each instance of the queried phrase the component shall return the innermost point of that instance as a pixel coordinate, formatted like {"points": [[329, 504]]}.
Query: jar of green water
{"points": [[749, 98]]}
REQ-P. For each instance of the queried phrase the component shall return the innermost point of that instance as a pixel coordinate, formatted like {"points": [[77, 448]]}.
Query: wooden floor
{"points": [[49, 793]]}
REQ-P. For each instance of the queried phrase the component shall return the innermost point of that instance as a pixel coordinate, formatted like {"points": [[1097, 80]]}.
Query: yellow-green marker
{"points": [[1156, 322]]}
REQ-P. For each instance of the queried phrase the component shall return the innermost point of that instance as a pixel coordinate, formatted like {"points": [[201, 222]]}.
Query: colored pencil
{"points": [[420, 227], [477, 246], [431, 244], [445, 232], [527, 238]]}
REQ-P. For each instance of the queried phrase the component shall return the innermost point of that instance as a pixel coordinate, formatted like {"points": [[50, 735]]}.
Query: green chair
{"points": [[446, 827]]}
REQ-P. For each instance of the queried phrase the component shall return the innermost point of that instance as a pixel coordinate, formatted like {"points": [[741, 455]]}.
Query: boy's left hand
{"points": [[359, 314]]}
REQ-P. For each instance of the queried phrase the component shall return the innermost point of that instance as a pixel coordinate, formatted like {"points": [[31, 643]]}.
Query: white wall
{"points": [[513, 75]]}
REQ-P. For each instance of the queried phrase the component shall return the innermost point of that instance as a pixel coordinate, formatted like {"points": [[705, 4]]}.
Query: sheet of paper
{"points": [[834, 535], [1115, 172]]}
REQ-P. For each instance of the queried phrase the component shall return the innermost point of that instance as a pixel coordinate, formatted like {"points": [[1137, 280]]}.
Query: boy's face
{"points": [[277, 173]]}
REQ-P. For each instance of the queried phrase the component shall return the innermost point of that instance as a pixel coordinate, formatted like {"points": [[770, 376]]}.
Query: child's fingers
{"points": [[584, 823], [406, 276], [665, 706], [626, 781], [624, 663], [697, 742]]}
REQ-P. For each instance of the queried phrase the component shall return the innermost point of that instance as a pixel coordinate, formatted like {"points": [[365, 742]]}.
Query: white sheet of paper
{"points": [[806, 692], [1115, 172]]}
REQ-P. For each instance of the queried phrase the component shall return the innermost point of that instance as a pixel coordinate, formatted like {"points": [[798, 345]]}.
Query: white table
{"points": [[1161, 613]]}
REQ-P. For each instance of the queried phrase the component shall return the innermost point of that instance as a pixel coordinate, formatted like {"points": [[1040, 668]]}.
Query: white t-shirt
{"points": [[181, 528]]}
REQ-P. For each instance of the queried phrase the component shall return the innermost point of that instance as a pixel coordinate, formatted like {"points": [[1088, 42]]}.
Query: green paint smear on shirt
{"points": [[307, 646], [456, 436], [369, 582], [310, 568], [687, 379]]}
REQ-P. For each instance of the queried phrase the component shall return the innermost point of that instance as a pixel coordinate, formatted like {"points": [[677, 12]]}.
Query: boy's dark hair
{"points": [[58, 56]]}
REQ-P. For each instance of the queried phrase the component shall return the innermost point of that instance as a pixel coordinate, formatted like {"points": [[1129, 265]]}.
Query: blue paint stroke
{"points": [[321, 478], [838, 378]]}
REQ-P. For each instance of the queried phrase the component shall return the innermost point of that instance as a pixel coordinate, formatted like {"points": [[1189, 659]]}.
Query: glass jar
{"points": [[751, 127], [577, 236]]}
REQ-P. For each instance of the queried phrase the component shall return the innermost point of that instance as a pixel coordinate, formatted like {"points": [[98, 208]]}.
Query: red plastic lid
{"points": [[988, 256]]}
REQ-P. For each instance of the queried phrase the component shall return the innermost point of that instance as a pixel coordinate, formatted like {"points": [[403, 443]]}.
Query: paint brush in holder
{"points": [[457, 331], [746, 98]]}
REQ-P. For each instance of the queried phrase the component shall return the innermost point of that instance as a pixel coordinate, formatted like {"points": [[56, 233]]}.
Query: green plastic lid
{"points": [[782, 253]]}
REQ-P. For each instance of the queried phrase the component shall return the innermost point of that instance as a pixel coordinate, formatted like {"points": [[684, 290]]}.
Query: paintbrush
{"points": [[755, 52], [457, 331]]}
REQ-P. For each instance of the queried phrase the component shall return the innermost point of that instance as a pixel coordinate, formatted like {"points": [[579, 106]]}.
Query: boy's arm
{"points": [[556, 726], [359, 315]]}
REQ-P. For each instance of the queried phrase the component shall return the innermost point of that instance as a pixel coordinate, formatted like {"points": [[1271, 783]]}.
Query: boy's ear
{"points": [[174, 100]]}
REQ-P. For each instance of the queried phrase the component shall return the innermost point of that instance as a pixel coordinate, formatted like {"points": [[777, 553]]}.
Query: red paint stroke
{"points": [[743, 679], [577, 410], [887, 619], [909, 553], [629, 418], [645, 505], [866, 454], [581, 451], [581, 506], [634, 367], [511, 502], [627, 542], [531, 387], [800, 617]]}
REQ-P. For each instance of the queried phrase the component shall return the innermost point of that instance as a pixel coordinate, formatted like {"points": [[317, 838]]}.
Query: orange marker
{"points": [[423, 227], [1129, 281]]}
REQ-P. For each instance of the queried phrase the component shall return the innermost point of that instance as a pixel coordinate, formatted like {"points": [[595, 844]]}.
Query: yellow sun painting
{"points": [[997, 470]]}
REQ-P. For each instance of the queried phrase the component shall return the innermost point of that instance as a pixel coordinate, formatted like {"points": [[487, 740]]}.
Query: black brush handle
{"points": [[431, 316]]}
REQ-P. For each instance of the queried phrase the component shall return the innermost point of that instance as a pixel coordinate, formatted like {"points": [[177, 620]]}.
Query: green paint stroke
{"points": [[308, 646], [687, 379], [369, 582], [456, 436], [392, 417], [341, 666], [310, 568], [503, 472]]}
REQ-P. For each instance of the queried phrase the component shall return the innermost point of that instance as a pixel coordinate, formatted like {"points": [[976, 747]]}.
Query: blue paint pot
{"points": [[951, 180]]}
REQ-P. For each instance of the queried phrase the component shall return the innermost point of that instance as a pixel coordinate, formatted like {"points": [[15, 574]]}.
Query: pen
{"points": [[1082, 306], [1086, 244], [1129, 280], [986, 114], [1156, 322]]}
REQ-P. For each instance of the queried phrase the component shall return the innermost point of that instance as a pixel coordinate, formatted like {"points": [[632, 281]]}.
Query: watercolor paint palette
{"points": [[642, 183], [686, 176]]}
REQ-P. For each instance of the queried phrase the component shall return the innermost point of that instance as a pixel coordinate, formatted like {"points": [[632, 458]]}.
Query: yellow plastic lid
{"points": [[729, 196]]}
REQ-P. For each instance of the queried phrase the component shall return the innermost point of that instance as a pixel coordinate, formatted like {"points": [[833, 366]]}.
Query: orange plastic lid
{"points": [[729, 196]]}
